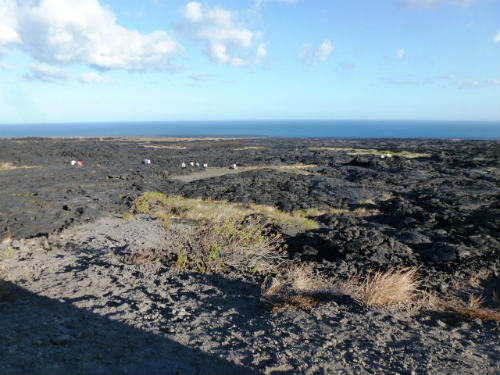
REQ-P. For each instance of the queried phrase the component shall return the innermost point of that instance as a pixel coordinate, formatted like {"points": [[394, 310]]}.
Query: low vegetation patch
{"points": [[226, 236], [165, 147], [174, 206], [5, 166], [372, 151], [222, 243], [128, 216], [375, 289]]}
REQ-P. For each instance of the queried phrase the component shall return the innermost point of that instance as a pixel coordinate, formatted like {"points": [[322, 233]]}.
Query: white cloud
{"points": [[311, 56], [223, 39], [45, 73], [83, 31], [260, 3], [431, 4], [8, 22], [325, 50], [262, 50], [4, 65], [93, 77], [496, 38], [401, 53]]}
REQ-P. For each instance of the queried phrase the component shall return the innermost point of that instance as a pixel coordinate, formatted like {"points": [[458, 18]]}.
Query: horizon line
{"points": [[97, 122]]}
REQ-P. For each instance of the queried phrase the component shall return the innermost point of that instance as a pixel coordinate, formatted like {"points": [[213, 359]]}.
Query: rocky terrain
{"points": [[70, 301]]}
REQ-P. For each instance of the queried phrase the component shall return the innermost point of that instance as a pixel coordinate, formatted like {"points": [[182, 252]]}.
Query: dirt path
{"points": [[218, 172], [209, 173]]}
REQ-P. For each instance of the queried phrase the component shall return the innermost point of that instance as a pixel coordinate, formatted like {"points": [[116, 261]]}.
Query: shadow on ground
{"points": [[42, 335]]}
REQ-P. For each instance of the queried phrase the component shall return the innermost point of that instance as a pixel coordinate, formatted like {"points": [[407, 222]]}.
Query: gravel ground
{"points": [[76, 306]]}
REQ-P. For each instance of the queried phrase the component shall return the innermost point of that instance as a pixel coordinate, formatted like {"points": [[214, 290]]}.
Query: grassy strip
{"points": [[372, 151], [6, 166], [173, 206]]}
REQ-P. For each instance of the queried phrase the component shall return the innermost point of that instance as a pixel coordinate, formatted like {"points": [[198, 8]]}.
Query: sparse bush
{"points": [[143, 204], [228, 242]]}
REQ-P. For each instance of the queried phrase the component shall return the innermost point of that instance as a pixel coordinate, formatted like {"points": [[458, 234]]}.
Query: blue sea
{"points": [[302, 128]]}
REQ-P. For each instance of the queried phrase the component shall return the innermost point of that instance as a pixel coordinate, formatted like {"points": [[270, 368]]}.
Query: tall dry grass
{"points": [[386, 288]]}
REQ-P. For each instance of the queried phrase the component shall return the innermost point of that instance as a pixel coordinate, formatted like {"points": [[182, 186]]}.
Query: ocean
{"points": [[302, 128]]}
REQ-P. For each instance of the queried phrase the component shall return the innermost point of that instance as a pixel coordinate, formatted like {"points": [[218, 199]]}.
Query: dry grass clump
{"points": [[376, 289], [475, 280], [296, 287], [471, 310], [385, 288], [173, 206], [143, 257], [242, 245]]}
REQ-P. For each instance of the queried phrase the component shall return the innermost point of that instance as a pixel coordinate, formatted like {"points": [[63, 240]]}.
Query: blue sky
{"points": [[156, 60]]}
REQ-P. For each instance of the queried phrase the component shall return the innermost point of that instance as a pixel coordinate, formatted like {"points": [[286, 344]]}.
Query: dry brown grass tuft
{"points": [[471, 310], [386, 288], [376, 289], [297, 302], [143, 257], [297, 287], [475, 280]]}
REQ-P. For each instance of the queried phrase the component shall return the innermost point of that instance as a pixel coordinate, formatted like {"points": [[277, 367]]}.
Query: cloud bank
{"points": [[82, 31], [94, 78]]}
